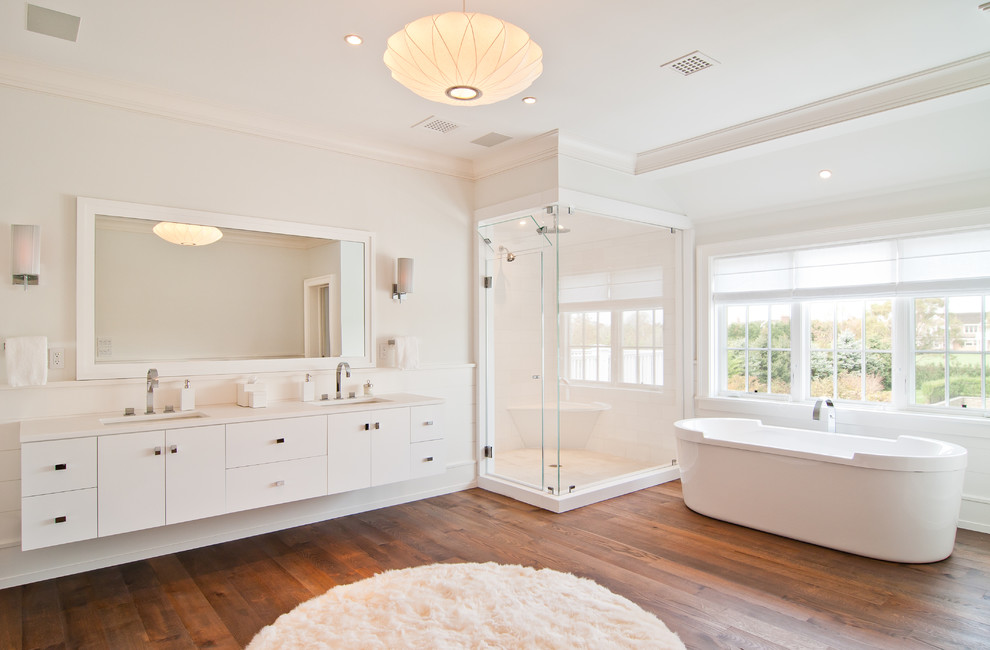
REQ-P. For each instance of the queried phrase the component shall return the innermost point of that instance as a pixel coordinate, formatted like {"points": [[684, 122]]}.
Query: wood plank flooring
{"points": [[715, 584]]}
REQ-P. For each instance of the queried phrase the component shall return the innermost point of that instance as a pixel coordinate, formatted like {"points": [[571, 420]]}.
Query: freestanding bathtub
{"points": [[890, 499], [577, 421]]}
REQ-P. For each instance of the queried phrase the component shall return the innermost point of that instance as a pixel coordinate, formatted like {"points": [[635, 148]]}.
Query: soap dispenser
{"points": [[308, 389], [187, 398]]}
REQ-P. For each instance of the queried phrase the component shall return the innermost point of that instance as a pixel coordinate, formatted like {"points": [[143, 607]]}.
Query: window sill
{"points": [[862, 420]]}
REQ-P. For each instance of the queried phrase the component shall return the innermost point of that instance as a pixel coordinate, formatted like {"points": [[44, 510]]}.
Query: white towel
{"points": [[406, 352], [27, 360]]}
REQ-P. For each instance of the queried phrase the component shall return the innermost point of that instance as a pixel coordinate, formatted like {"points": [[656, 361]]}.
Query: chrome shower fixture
{"points": [[509, 255], [551, 230]]}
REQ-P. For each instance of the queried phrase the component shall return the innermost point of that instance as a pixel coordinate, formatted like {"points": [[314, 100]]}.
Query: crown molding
{"points": [[536, 149], [955, 77], [29, 75]]}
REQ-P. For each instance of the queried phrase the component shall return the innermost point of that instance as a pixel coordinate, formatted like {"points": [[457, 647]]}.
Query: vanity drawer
{"points": [[58, 465], [269, 441], [425, 422], [427, 458], [265, 485], [50, 519]]}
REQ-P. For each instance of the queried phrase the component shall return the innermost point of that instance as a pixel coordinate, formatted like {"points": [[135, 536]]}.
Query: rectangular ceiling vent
{"points": [[52, 23], [491, 139], [436, 125], [690, 63]]}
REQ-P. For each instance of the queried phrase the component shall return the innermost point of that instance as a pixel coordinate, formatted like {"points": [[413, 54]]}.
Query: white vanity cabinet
{"points": [[85, 477], [367, 448], [426, 451], [152, 478], [276, 461], [58, 492]]}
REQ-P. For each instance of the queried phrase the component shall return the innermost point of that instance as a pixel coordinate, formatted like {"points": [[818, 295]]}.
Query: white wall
{"points": [[56, 149]]}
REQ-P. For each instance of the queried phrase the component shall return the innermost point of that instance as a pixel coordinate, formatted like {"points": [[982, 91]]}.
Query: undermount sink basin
{"points": [[351, 400], [142, 417]]}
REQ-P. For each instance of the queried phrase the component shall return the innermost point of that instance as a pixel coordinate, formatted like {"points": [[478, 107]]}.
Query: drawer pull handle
{"points": [[428, 459], [279, 483], [61, 519], [61, 466], [279, 441], [428, 423], [174, 449], [158, 451]]}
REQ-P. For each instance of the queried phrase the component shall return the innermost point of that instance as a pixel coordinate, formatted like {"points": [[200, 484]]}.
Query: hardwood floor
{"points": [[715, 584]]}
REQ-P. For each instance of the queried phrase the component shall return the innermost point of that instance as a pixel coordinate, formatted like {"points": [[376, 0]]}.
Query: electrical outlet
{"points": [[56, 358], [104, 347], [383, 352]]}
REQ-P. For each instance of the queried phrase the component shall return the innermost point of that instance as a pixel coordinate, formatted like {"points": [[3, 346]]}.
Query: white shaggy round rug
{"points": [[468, 606]]}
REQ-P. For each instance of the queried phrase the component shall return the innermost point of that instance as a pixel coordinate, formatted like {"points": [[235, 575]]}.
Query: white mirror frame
{"points": [[87, 209]]}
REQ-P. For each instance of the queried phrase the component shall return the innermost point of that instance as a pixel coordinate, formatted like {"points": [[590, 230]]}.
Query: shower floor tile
{"points": [[578, 467]]}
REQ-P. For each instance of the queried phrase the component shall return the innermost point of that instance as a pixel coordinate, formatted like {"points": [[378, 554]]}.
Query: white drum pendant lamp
{"points": [[462, 58]]}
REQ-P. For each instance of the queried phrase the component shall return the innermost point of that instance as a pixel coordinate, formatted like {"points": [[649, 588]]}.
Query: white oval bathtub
{"points": [[577, 421], [890, 499]]}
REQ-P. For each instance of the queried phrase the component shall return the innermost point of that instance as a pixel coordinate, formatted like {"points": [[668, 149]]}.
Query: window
{"points": [[901, 321], [758, 346], [950, 352], [851, 349], [613, 326], [589, 349], [625, 343]]}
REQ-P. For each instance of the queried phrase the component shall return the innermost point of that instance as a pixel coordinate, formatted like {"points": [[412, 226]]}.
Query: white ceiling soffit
{"points": [[959, 76]]}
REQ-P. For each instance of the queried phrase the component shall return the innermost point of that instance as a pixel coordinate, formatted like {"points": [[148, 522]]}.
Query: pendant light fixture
{"points": [[187, 234], [462, 58]]}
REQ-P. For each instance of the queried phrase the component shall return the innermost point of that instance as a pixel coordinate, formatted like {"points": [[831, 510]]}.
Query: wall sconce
{"points": [[25, 254], [403, 278]]}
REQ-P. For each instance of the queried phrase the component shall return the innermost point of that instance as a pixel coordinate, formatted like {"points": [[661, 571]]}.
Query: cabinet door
{"points": [[195, 483], [390, 446], [349, 452], [130, 482]]}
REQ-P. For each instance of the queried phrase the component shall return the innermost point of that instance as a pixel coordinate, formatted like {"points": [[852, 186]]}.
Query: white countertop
{"points": [[90, 424]]}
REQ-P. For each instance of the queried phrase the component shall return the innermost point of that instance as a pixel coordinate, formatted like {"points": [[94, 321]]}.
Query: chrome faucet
{"points": [[829, 413], [152, 385], [345, 366]]}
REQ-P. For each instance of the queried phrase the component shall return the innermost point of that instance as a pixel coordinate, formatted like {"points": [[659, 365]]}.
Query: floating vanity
{"points": [[104, 474]]}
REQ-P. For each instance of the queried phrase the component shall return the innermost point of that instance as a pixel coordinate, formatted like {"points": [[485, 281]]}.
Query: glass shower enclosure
{"points": [[582, 366]]}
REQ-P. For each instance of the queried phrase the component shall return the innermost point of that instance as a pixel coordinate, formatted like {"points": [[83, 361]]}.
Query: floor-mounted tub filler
{"points": [[894, 499]]}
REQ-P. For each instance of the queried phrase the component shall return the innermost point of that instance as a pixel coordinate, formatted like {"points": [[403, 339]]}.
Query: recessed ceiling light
{"points": [[353, 39], [825, 173], [529, 100]]}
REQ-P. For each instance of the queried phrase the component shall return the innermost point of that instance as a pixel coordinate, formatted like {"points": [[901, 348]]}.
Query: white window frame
{"points": [[616, 346], [711, 347]]}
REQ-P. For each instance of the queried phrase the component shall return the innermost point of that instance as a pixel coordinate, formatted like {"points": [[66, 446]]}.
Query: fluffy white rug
{"points": [[468, 606]]}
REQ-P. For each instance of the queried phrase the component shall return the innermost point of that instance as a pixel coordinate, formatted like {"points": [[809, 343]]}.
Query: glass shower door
{"points": [[516, 351]]}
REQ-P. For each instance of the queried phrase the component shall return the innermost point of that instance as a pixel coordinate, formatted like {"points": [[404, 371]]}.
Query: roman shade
{"points": [[944, 263]]}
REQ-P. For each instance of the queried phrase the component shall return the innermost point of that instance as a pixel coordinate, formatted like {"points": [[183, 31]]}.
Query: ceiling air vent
{"points": [[436, 125], [491, 139], [690, 63], [52, 23]]}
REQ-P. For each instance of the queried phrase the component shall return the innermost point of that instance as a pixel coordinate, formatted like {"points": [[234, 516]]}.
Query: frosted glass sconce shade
{"points": [[187, 234], [403, 278], [25, 253]]}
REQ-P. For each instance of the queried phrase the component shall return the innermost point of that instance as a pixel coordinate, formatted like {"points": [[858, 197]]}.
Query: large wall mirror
{"points": [[267, 295]]}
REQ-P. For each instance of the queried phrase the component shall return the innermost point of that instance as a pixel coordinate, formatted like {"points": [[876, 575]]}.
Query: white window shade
{"points": [[948, 263], [630, 284]]}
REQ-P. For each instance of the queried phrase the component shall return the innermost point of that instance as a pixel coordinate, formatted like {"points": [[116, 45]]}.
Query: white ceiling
{"points": [[284, 66]]}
